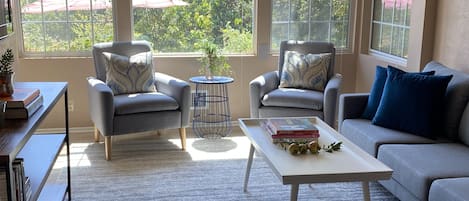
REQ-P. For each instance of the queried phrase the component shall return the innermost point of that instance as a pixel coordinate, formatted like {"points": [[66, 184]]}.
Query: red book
{"points": [[21, 97], [291, 126]]}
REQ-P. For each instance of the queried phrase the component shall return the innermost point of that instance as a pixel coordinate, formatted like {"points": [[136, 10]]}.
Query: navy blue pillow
{"points": [[377, 90], [375, 93], [411, 102]]}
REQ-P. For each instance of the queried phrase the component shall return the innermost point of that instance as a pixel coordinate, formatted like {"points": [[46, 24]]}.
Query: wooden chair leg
{"points": [[96, 134], [182, 135], [108, 147]]}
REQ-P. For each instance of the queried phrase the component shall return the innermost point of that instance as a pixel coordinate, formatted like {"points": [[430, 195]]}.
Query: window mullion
{"points": [[329, 32]]}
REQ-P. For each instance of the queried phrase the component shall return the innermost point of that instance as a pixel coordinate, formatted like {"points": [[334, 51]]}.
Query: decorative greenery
{"points": [[213, 60], [313, 147], [6, 62], [335, 146]]}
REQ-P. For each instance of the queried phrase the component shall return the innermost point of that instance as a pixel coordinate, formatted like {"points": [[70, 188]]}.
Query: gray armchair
{"points": [[113, 115], [267, 100]]}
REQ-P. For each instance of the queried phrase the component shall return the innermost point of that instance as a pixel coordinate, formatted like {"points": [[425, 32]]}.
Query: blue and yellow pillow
{"points": [[126, 75], [305, 71]]}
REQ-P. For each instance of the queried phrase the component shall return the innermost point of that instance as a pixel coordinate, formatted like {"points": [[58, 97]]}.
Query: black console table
{"points": [[39, 151]]}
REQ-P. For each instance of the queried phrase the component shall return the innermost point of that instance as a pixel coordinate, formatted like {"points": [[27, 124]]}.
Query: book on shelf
{"points": [[26, 112], [3, 184], [21, 97]]}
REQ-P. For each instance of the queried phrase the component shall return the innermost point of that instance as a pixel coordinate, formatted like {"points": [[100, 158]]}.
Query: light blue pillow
{"points": [[305, 71], [127, 75], [412, 102]]}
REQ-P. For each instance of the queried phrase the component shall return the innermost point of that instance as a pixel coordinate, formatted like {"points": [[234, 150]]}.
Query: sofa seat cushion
{"points": [[417, 166], [143, 102], [369, 137], [297, 98], [454, 189]]}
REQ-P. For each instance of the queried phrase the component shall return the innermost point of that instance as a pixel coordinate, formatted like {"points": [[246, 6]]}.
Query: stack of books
{"points": [[290, 130], [23, 103], [21, 183]]}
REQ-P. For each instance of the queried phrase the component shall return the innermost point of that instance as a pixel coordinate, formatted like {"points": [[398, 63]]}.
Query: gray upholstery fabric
{"points": [[300, 98], [457, 96], [454, 189], [143, 102], [267, 82], [369, 137], [266, 111], [398, 190], [464, 126], [115, 115], [351, 106], [417, 166]]}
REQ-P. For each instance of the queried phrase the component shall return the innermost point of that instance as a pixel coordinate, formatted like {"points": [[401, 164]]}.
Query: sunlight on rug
{"points": [[153, 167]]}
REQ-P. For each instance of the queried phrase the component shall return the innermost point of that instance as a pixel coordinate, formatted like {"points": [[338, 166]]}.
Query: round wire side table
{"points": [[212, 118]]}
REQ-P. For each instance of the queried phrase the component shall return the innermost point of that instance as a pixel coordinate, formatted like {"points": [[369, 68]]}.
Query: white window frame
{"points": [[199, 53], [17, 23], [351, 31], [386, 55]]}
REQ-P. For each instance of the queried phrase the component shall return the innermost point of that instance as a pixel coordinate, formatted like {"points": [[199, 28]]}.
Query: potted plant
{"points": [[6, 73], [213, 62]]}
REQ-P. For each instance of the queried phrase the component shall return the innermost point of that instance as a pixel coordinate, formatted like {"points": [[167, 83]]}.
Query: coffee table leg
{"points": [[248, 168], [294, 192], [366, 191]]}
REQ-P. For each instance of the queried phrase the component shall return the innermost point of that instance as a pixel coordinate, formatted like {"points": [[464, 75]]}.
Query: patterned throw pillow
{"points": [[126, 75], [305, 71]]}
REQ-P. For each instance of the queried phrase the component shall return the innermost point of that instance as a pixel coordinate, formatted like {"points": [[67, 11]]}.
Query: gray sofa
{"points": [[424, 169]]}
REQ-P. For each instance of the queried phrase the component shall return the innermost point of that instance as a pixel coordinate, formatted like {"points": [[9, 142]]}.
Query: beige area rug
{"points": [[152, 167]]}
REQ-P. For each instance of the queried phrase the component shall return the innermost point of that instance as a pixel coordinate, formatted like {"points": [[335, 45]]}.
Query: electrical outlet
{"points": [[71, 106]]}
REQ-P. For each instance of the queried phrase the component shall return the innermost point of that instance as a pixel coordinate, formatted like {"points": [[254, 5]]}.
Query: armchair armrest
{"points": [[331, 97], [101, 105], [259, 87], [179, 89], [351, 106]]}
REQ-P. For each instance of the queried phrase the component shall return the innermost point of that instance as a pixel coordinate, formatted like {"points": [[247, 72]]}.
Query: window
{"points": [[64, 27], [182, 26], [390, 27], [312, 20]]}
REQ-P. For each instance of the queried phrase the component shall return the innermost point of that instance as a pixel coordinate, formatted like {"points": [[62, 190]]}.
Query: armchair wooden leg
{"points": [[182, 135], [96, 134], [108, 147]]}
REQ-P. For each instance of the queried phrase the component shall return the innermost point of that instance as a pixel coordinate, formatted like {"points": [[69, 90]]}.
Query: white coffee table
{"points": [[347, 165]]}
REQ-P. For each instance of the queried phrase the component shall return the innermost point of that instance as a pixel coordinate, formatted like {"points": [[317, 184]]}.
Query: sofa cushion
{"points": [[143, 102], [305, 71], [454, 189], [457, 96], [297, 98], [411, 102], [126, 75], [369, 137], [417, 166], [376, 91]]}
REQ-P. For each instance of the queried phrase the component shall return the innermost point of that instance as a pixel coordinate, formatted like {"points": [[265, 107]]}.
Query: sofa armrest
{"points": [[260, 86], [101, 105], [331, 99], [178, 89], [351, 106]]}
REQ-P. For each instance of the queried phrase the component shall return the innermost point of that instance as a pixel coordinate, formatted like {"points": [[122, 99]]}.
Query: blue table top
{"points": [[214, 80]]}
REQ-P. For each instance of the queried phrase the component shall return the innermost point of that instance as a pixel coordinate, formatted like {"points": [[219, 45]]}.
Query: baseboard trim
{"points": [[77, 130]]}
